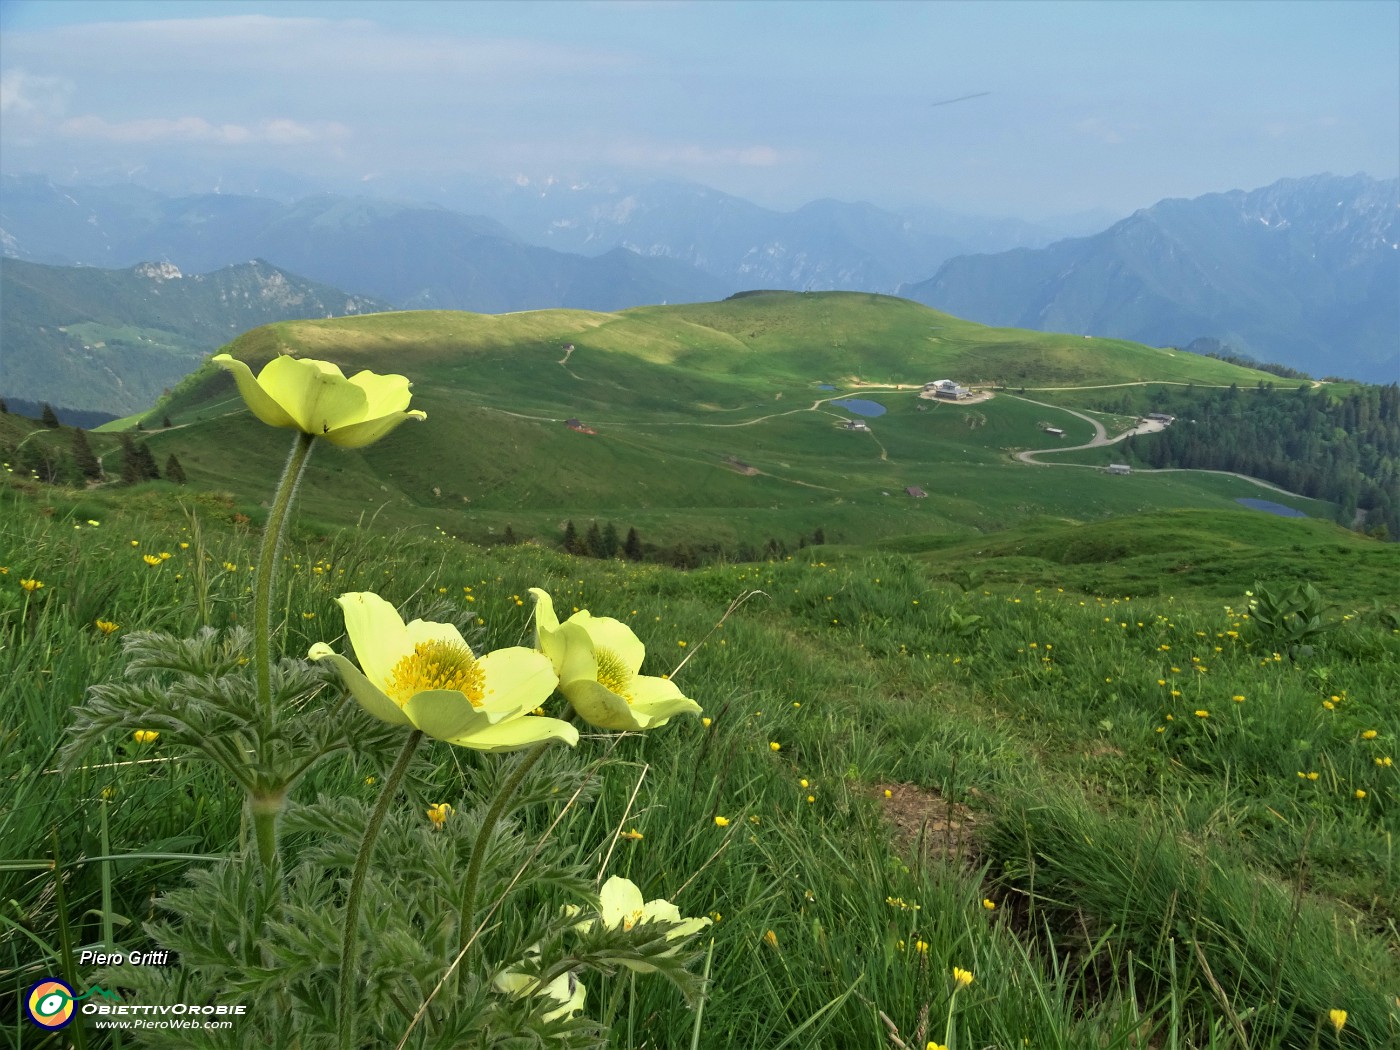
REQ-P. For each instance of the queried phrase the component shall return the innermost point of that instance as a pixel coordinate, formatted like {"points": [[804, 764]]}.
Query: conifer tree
{"points": [[83, 457], [593, 541], [48, 416], [165, 422], [571, 540], [173, 471], [632, 546], [611, 544], [508, 537], [131, 468]]}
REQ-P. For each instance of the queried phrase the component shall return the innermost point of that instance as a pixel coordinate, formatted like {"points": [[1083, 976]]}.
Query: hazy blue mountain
{"points": [[409, 254], [822, 245], [112, 340], [1304, 272]]}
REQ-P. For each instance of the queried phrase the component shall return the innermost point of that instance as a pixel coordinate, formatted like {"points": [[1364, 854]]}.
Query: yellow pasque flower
{"points": [[1338, 1019], [565, 990], [620, 907], [145, 736], [962, 978], [423, 674], [316, 398], [597, 659]]}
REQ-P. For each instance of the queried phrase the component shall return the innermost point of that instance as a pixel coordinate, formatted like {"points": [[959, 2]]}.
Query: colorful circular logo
{"points": [[50, 1003]]}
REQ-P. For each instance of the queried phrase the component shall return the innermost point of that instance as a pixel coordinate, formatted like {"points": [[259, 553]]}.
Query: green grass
{"points": [[1176, 887]]}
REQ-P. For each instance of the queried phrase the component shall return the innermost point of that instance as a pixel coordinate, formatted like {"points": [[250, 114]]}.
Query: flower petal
{"points": [[614, 635], [516, 733], [601, 707], [377, 633], [258, 400], [618, 899], [659, 699], [574, 661], [314, 393], [446, 714], [364, 692], [384, 395], [358, 435], [547, 628], [517, 679]]}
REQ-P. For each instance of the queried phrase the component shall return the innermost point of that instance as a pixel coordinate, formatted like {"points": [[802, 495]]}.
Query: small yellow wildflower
{"points": [[989, 904], [1338, 1019], [811, 799], [802, 782], [1329, 705], [150, 559], [1202, 714], [1358, 794], [438, 814], [1237, 698], [109, 793], [136, 543], [936, 1046], [1386, 761], [308, 616], [164, 555], [771, 939], [773, 745], [145, 736], [370, 780], [107, 626], [889, 793], [31, 585], [706, 721], [721, 822], [633, 835], [962, 978], [1368, 734], [921, 947]]}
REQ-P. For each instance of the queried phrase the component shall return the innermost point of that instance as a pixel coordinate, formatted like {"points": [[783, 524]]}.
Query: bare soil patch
{"points": [[926, 823]]}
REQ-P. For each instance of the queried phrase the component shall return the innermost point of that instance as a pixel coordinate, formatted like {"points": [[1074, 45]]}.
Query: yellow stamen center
{"points": [[613, 674], [631, 919], [437, 665]]}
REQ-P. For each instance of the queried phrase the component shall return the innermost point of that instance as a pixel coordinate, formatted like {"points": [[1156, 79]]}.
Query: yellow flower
{"points": [[150, 559], [597, 659], [1358, 794], [634, 835], [164, 555], [1202, 714], [706, 721], [803, 782], [422, 674], [773, 745], [107, 626], [771, 939], [1386, 761], [921, 947], [620, 907], [1237, 698], [936, 1046], [439, 813], [721, 822], [564, 991], [1368, 734], [145, 736], [31, 585], [316, 398], [1338, 1018], [989, 904], [962, 978], [811, 799]]}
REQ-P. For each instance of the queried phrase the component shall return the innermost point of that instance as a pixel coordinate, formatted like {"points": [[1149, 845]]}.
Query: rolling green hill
{"points": [[714, 422]]}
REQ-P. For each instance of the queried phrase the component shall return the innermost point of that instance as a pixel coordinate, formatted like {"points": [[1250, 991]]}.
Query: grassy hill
{"points": [[714, 422]]}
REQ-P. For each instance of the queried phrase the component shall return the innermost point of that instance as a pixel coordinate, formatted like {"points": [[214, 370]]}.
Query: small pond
{"points": [[825, 386], [860, 406], [1270, 507]]}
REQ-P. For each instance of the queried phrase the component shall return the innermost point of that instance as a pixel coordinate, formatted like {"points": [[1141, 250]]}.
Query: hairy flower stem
{"points": [[265, 808], [357, 880], [483, 836], [273, 533]]}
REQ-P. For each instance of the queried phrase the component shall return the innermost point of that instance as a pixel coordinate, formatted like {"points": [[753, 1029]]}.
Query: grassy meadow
{"points": [[1125, 812]]}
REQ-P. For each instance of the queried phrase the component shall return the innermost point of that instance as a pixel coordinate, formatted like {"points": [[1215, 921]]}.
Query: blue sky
{"points": [[1107, 105]]}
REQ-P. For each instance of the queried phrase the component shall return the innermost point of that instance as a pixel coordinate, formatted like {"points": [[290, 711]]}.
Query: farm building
{"points": [[1118, 468], [946, 389], [856, 425], [1055, 430]]}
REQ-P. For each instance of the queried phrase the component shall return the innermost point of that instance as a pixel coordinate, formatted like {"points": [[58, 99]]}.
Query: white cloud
{"points": [[279, 132], [23, 94]]}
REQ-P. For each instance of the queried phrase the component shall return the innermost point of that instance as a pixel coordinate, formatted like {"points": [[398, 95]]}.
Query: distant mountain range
{"points": [[1305, 273], [113, 340]]}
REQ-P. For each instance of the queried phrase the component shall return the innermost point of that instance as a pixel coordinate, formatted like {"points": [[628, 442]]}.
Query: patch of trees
{"points": [[602, 542], [1224, 352], [1342, 449]]}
